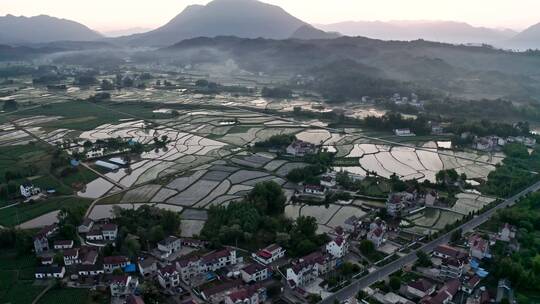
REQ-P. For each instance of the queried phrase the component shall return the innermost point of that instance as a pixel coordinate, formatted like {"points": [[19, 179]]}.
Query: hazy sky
{"points": [[121, 14]]}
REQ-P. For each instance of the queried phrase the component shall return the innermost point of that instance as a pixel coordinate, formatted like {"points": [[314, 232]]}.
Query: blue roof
{"points": [[74, 162], [482, 273], [474, 264], [130, 268]]}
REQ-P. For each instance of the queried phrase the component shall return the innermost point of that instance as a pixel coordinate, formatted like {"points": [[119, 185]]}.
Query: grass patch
{"points": [[17, 278], [26, 211], [66, 295]]}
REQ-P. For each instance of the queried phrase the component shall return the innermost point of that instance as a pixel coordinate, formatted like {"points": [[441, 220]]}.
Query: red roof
{"points": [[168, 270], [243, 294], [215, 255], [421, 284], [253, 268], [109, 227], [120, 279], [119, 259], [71, 252], [339, 241]]}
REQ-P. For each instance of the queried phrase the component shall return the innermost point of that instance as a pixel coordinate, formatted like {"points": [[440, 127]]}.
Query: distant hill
{"points": [[42, 29], [241, 18], [308, 32], [440, 31], [527, 39], [126, 32], [469, 71]]}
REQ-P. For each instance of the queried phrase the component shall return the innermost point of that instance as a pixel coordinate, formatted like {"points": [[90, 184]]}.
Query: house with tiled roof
{"points": [[376, 233], [479, 247], [111, 263], [451, 268], [269, 254], [71, 256], [63, 244], [41, 239], [123, 285], [301, 148], [507, 233], [189, 267], [338, 247], [168, 246], [168, 276], [88, 270], [447, 251], [147, 267], [50, 272], [109, 231], [444, 295], [85, 226], [255, 273], [306, 269], [421, 288], [469, 283], [216, 293], [248, 295], [218, 259]]}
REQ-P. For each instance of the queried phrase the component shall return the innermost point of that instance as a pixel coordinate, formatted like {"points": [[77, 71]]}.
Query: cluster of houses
{"points": [[495, 143], [405, 202], [455, 277], [404, 100]]}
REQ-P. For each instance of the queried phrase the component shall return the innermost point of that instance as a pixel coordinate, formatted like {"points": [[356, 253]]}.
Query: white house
{"points": [[123, 285], [71, 256], [254, 273], [109, 231], [147, 267], [403, 132], [169, 245], [90, 270], [376, 232], [308, 268], [63, 244], [338, 247], [111, 263], [28, 190], [95, 153], [94, 235], [507, 233], [50, 272], [421, 288], [168, 276], [218, 259], [314, 190], [328, 181], [479, 248], [247, 295], [85, 226], [269, 254], [301, 148]]}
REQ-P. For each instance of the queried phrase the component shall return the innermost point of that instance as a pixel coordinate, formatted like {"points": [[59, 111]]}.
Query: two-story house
{"points": [[255, 273], [168, 276]]}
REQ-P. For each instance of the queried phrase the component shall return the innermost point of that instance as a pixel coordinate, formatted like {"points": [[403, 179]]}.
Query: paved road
{"points": [[361, 283]]}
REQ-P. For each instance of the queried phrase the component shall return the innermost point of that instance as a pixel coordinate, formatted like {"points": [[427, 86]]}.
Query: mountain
{"points": [[308, 32], [241, 18], [126, 32], [467, 71], [439, 31], [527, 39], [42, 29]]}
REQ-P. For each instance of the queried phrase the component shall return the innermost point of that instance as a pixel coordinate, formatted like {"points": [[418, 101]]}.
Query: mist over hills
{"points": [[439, 31], [446, 68], [42, 29], [529, 38]]}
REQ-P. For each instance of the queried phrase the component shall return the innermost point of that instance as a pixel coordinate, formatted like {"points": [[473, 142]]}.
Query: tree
{"points": [[423, 259], [456, 236], [366, 247], [395, 283], [268, 197], [156, 234]]}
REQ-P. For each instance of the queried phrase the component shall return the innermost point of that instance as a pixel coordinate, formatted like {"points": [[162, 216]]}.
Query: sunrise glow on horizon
{"points": [[105, 15]]}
